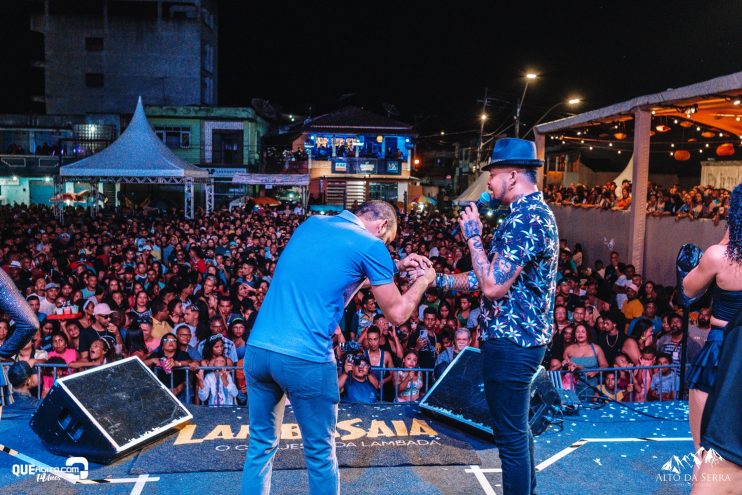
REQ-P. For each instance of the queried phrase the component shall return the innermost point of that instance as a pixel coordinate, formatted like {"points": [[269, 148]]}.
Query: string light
{"points": [[619, 152], [610, 144], [672, 145], [591, 147], [675, 121], [698, 128]]}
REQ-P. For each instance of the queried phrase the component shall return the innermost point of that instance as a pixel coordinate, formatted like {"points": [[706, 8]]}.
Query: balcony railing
{"points": [[371, 166]]}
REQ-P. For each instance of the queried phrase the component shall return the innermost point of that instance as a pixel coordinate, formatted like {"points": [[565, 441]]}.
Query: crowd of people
{"points": [[183, 295], [698, 202]]}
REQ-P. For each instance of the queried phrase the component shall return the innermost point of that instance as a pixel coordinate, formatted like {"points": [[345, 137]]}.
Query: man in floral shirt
{"points": [[517, 278]]}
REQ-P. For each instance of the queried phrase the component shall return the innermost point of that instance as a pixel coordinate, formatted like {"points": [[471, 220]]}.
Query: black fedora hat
{"points": [[513, 151]]}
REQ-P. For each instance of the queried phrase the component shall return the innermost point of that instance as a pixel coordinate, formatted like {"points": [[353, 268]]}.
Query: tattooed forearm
{"points": [[460, 281], [494, 277], [471, 229], [480, 264]]}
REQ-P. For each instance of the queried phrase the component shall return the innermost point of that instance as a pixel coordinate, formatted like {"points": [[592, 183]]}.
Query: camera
{"points": [[351, 347]]}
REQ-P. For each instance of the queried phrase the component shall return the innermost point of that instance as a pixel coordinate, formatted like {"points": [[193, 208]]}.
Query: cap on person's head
{"points": [[19, 372], [633, 287], [15, 264], [102, 309], [51, 285], [236, 321], [514, 152]]}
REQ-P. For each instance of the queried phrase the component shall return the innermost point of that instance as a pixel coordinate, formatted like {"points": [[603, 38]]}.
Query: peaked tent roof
{"points": [[475, 189], [137, 152]]}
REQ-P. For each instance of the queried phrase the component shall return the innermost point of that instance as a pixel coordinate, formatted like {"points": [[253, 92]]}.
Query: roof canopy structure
{"points": [[355, 120], [711, 103], [137, 153], [713, 106], [138, 156]]}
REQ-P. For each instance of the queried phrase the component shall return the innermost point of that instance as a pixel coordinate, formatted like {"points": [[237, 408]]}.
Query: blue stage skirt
{"points": [[703, 370]]}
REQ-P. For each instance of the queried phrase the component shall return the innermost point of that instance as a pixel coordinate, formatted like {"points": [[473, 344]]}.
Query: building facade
{"points": [[351, 156], [99, 56], [222, 140]]}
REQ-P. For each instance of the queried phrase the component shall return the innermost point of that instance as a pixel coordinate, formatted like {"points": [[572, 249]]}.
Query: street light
{"points": [[571, 101], [529, 77]]}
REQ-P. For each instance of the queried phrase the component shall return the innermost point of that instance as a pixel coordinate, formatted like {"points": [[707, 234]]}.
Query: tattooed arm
{"points": [[494, 276]]}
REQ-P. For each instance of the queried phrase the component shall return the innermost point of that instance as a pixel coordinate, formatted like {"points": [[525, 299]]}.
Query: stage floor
{"points": [[611, 450]]}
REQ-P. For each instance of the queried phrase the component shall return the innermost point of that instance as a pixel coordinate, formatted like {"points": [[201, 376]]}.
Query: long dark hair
{"points": [[734, 224]]}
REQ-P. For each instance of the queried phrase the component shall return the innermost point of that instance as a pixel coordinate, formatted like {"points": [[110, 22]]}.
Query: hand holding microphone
{"points": [[485, 200]]}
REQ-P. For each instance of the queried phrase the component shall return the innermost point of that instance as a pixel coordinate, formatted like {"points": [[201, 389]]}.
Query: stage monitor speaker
{"points": [[458, 396], [107, 412]]}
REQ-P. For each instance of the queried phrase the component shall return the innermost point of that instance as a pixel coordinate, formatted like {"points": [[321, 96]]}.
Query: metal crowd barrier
{"points": [[562, 379], [565, 379]]}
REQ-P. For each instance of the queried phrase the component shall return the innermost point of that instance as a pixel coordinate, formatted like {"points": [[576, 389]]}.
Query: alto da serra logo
{"points": [[677, 464], [681, 468]]}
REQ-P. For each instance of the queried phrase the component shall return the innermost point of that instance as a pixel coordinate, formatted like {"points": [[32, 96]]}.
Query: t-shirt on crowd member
{"points": [[217, 388], [356, 384], [290, 350], [517, 278]]}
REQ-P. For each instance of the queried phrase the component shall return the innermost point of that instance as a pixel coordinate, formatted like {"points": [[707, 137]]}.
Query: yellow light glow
{"points": [[574, 101], [483, 117], [531, 75]]}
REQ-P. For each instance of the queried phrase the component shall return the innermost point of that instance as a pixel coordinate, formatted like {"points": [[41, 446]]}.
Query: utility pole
{"points": [[482, 118]]}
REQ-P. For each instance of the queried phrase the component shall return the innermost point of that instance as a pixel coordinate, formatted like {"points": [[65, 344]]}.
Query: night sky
{"points": [[433, 62]]}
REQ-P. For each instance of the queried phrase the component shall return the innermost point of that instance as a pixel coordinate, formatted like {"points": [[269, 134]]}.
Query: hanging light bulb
{"points": [[672, 145]]}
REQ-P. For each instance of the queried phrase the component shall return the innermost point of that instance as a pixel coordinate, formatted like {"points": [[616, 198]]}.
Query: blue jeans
{"points": [[312, 389], [507, 369]]}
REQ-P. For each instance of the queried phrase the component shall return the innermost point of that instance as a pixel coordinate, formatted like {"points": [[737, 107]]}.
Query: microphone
{"points": [[485, 200]]}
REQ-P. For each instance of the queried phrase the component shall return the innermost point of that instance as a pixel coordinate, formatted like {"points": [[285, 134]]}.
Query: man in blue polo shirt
{"points": [[290, 347]]}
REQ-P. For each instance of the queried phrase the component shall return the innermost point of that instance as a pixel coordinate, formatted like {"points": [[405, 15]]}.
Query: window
{"points": [[227, 147], [94, 44], [174, 137], [94, 80]]}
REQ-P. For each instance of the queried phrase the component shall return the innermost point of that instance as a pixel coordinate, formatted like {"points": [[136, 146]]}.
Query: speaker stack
{"points": [[107, 412], [458, 397]]}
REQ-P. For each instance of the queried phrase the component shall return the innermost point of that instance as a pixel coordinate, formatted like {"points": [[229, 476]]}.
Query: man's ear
{"points": [[383, 227]]}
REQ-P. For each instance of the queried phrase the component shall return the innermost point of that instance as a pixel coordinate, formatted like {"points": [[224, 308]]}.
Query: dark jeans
{"points": [[507, 369]]}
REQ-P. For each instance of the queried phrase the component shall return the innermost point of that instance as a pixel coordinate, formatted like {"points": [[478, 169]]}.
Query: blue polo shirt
{"points": [[322, 266]]}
